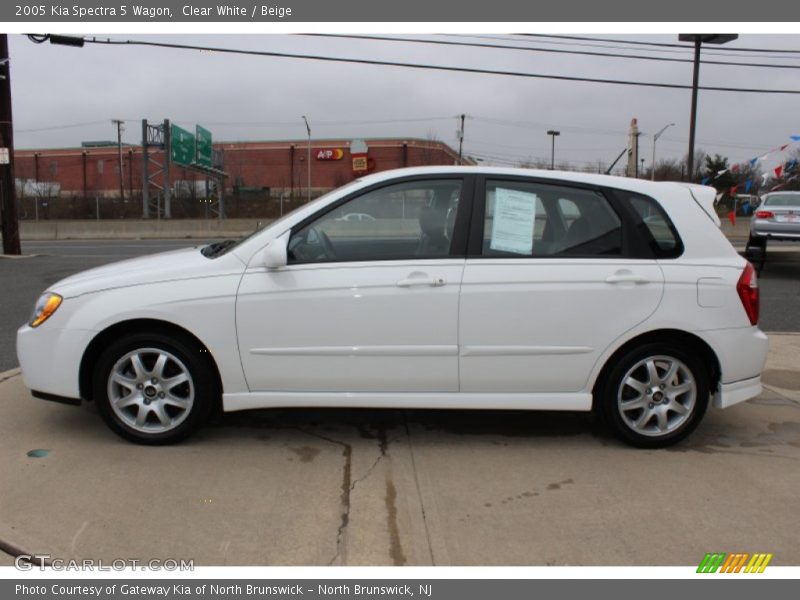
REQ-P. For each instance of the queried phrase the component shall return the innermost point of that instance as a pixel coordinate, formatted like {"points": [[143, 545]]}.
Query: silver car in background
{"points": [[777, 218]]}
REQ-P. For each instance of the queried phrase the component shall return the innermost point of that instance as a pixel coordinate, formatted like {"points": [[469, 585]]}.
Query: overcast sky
{"points": [[256, 98]]}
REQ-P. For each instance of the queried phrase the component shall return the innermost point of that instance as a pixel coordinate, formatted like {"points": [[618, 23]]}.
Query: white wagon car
{"points": [[473, 288]]}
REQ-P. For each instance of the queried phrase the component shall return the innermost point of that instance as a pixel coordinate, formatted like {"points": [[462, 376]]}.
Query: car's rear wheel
{"points": [[151, 388], [655, 395]]}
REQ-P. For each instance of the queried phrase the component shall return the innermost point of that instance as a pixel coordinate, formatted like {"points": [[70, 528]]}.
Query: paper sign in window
{"points": [[512, 226]]}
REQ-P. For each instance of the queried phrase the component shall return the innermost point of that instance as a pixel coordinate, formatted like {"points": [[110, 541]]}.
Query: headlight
{"points": [[46, 305]]}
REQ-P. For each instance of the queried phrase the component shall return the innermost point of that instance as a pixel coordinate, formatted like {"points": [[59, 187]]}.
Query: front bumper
{"points": [[50, 359]]}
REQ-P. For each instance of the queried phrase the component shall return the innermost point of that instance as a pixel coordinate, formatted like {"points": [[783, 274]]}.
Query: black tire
{"points": [[655, 431], [187, 405], [756, 251]]}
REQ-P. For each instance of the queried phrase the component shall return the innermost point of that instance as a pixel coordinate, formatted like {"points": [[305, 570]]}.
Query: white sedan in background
{"points": [[477, 288]]}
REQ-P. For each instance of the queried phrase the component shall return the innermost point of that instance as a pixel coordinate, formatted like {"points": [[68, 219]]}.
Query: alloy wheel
{"points": [[150, 390], [657, 395]]}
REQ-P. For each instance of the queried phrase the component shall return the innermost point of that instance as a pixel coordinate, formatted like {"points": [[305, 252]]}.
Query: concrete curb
{"points": [[6, 375]]}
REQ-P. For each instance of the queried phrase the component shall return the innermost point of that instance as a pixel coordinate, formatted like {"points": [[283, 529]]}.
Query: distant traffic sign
{"points": [[181, 146], [204, 147]]}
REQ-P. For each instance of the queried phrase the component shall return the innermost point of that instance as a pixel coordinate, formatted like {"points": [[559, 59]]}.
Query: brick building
{"points": [[273, 167]]}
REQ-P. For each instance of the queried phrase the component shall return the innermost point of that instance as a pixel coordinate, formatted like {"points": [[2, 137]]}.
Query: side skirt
{"points": [[416, 400]]}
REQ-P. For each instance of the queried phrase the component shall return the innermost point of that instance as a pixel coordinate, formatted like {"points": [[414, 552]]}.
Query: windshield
{"points": [[783, 200], [219, 248]]}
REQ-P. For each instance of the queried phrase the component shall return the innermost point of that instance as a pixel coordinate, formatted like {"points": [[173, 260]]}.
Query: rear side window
{"points": [[783, 200], [523, 219], [654, 226]]}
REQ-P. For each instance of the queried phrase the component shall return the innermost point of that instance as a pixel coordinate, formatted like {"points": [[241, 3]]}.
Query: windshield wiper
{"points": [[217, 248]]}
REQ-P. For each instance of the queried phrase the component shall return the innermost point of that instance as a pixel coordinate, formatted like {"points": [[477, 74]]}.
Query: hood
{"points": [[174, 265]]}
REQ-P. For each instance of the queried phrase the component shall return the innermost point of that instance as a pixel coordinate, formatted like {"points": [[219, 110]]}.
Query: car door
{"points": [[364, 305], [552, 279]]}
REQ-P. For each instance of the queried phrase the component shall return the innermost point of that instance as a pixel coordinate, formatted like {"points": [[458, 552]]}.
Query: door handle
{"points": [[627, 278], [430, 281]]}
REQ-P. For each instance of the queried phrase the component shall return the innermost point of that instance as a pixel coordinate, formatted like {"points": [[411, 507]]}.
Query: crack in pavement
{"points": [[349, 484], [347, 453]]}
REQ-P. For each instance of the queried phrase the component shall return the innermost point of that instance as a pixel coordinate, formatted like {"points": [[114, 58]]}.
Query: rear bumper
{"points": [[775, 231], [729, 394], [742, 354]]}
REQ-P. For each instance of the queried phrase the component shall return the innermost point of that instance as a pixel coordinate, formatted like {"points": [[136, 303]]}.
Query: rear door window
{"points": [[530, 219]]}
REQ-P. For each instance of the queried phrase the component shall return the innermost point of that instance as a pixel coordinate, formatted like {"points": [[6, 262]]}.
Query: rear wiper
{"points": [[217, 248]]}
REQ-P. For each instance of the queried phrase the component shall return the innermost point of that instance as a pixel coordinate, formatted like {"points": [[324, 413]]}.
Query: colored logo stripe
{"points": [[734, 563], [758, 563], [711, 562]]}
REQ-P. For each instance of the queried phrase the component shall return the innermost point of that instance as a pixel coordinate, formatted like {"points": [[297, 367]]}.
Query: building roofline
{"points": [[298, 142]]}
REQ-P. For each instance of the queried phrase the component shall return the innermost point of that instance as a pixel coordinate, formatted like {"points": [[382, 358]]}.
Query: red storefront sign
{"points": [[330, 154]]}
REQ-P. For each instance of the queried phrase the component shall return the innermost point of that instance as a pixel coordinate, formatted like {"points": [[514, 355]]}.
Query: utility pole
{"points": [[699, 39], [308, 128], [8, 190], [119, 123], [553, 133], [461, 140]]}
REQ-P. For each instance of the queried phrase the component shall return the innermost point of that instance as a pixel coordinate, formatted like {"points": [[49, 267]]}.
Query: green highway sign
{"points": [[203, 137], [181, 146]]}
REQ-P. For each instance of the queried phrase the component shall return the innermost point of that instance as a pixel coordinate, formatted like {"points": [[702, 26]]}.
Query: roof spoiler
{"points": [[704, 196]]}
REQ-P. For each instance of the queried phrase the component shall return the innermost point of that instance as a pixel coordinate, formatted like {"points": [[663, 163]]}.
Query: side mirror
{"points": [[275, 253]]}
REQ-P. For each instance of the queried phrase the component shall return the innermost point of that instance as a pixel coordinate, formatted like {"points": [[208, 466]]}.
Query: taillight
{"points": [[765, 214], [747, 288]]}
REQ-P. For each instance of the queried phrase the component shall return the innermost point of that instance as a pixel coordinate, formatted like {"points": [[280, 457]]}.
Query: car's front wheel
{"points": [[655, 395], [151, 388]]}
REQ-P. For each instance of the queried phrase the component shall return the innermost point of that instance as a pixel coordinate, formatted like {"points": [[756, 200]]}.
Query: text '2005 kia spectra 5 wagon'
{"points": [[468, 288]]}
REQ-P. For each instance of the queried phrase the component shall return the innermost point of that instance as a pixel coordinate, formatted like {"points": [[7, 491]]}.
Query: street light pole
{"points": [[553, 133], [118, 123], [699, 39], [308, 128], [655, 139]]}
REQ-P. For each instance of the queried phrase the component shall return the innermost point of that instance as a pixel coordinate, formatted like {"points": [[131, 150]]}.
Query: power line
{"points": [[657, 44], [473, 70], [328, 123], [683, 50], [550, 50], [54, 127], [537, 125]]}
